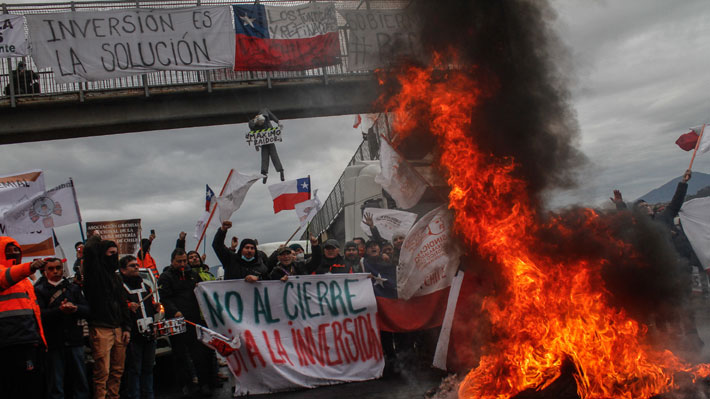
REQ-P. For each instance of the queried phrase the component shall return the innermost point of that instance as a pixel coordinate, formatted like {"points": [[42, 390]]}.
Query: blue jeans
{"points": [[72, 358], [140, 358]]}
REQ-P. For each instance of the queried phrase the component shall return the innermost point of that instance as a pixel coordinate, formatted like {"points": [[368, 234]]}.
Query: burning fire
{"points": [[550, 310]]}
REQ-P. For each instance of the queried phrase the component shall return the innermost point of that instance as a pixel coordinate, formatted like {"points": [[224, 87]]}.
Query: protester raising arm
{"points": [[618, 200], [316, 257], [373, 230], [671, 211], [223, 253]]}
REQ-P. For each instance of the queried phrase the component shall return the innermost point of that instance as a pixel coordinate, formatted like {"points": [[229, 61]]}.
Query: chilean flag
{"points": [[209, 199], [271, 38], [289, 193], [399, 315]]}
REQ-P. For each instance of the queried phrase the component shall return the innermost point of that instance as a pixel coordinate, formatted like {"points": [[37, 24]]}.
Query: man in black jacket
{"points": [[177, 294], [245, 263], [140, 355], [109, 320], [63, 306]]}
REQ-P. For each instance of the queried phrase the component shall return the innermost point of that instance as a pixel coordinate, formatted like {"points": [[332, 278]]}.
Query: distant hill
{"points": [[699, 182]]}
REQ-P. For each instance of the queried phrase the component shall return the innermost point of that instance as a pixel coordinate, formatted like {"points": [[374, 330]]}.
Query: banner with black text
{"points": [[303, 333], [90, 46]]}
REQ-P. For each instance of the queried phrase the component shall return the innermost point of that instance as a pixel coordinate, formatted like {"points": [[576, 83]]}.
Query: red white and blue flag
{"points": [[270, 38], [210, 203], [289, 193], [209, 198]]}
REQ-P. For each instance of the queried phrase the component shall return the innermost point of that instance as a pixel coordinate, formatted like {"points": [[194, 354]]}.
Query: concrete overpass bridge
{"points": [[175, 99]]}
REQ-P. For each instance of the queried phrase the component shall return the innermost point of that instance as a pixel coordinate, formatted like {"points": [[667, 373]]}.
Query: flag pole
{"points": [[197, 249], [78, 214], [696, 147], [294, 233]]}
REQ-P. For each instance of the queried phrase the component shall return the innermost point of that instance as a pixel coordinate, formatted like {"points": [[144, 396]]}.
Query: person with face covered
{"points": [[109, 316], [177, 294], [21, 333], [245, 263]]}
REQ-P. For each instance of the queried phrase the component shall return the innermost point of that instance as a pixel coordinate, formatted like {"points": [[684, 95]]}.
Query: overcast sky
{"points": [[640, 79]]}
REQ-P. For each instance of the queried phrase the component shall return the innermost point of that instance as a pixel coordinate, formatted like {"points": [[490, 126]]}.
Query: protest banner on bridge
{"points": [[389, 221], [376, 38], [125, 233], [274, 38], [13, 190], [263, 136], [429, 256], [13, 41], [302, 333], [88, 46]]}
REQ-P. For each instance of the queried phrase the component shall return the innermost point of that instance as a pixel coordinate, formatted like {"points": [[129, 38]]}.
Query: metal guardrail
{"points": [[368, 150], [49, 87]]}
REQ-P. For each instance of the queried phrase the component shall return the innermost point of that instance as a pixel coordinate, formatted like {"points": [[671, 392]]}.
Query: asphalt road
{"points": [[421, 381]]}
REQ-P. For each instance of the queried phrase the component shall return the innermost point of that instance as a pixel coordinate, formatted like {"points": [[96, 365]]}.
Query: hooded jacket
{"points": [[319, 264], [234, 266], [103, 287], [20, 316]]}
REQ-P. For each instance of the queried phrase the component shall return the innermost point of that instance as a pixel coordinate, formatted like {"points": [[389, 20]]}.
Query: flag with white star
{"points": [[271, 38]]}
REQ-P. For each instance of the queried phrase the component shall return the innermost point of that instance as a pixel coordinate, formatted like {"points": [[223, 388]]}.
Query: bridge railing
{"points": [[145, 82]]}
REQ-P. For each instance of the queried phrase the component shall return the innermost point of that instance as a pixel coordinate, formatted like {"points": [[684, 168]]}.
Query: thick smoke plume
{"points": [[527, 112], [525, 115]]}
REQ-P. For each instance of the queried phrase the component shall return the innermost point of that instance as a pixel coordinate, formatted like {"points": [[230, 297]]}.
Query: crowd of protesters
{"points": [[108, 307]]}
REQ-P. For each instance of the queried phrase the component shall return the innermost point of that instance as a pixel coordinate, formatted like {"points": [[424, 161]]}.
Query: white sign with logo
{"points": [[13, 41], [303, 333], [389, 221], [90, 46], [429, 256]]}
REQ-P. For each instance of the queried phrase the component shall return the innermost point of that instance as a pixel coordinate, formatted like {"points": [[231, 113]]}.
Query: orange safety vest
{"points": [[19, 310], [149, 263]]}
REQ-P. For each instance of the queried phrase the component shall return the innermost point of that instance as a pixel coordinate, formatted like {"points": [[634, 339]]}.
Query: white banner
{"points": [[13, 42], [17, 188], [234, 193], [303, 333], [307, 210], [377, 38], [388, 222], [54, 208], [695, 219], [89, 46], [398, 178], [429, 257]]}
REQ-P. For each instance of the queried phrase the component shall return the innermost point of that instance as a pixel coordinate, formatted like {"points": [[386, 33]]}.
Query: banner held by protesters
{"points": [[52, 208], [306, 332]]}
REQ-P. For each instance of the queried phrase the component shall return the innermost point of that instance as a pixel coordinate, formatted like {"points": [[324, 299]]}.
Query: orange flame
{"points": [[548, 312]]}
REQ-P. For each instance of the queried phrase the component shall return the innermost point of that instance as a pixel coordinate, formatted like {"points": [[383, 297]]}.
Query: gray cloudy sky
{"points": [[640, 79]]}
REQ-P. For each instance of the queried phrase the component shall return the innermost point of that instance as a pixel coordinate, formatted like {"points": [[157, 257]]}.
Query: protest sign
{"points": [[302, 333], [376, 38], [429, 256], [125, 233], [263, 136], [18, 188], [13, 42], [695, 219], [88, 46], [389, 221], [52, 208]]}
